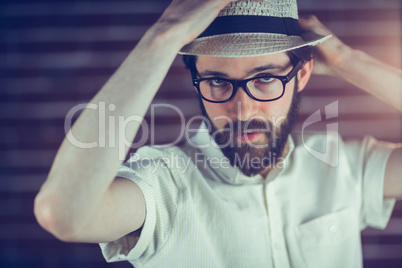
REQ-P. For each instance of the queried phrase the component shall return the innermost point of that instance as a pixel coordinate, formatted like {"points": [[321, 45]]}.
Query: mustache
{"points": [[254, 125]]}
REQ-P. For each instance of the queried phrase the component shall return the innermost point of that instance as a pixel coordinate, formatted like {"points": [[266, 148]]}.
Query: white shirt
{"points": [[202, 212]]}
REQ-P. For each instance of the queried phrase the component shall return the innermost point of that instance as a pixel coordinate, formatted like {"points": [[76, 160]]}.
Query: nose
{"points": [[243, 106]]}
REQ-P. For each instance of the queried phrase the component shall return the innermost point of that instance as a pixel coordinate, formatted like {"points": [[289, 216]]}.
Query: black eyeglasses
{"points": [[262, 88]]}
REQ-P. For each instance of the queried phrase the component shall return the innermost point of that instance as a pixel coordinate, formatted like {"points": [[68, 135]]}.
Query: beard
{"points": [[253, 158]]}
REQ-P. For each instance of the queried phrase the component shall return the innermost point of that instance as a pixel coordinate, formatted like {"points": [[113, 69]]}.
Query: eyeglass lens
{"points": [[262, 88]]}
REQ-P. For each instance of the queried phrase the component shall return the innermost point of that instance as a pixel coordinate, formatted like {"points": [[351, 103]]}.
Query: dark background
{"points": [[57, 54]]}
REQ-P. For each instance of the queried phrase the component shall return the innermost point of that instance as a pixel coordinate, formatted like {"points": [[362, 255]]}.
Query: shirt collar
{"points": [[213, 155]]}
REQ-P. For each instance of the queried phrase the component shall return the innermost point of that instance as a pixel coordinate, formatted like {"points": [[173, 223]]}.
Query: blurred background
{"points": [[57, 54]]}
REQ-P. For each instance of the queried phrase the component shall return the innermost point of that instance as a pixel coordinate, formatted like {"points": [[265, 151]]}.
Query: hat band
{"points": [[252, 24]]}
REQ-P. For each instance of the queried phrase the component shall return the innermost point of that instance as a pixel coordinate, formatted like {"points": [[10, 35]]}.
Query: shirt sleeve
{"points": [[161, 193], [376, 210]]}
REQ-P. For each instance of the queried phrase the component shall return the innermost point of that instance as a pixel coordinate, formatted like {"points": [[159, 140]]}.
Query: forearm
{"points": [[333, 57], [370, 75], [80, 177]]}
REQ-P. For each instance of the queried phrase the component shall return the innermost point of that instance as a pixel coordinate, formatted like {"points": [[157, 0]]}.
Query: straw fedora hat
{"points": [[248, 28]]}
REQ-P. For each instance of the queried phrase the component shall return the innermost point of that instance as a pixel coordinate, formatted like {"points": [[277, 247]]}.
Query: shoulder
{"points": [[155, 153], [330, 142], [331, 149]]}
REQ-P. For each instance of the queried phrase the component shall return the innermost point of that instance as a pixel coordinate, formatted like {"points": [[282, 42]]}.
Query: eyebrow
{"points": [[250, 72], [264, 68]]}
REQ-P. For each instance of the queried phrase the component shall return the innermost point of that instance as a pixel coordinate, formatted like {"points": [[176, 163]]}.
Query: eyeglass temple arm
{"points": [[294, 71]]}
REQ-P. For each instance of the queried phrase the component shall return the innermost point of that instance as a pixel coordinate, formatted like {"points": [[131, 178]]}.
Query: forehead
{"points": [[240, 63]]}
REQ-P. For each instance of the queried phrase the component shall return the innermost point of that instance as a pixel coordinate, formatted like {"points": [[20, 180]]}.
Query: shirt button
{"points": [[333, 229], [277, 246]]}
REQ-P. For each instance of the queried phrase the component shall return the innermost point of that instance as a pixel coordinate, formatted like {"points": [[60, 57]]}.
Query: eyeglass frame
{"points": [[243, 83]]}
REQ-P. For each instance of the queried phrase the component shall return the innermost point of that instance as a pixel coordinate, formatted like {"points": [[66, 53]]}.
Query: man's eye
{"points": [[217, 82], [265, 79]]}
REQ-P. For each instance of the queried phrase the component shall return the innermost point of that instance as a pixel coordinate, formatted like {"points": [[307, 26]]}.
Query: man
{"points": [[246, 194]]}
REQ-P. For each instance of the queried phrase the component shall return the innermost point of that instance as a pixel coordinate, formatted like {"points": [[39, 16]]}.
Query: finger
{"points": [[313, 24]]}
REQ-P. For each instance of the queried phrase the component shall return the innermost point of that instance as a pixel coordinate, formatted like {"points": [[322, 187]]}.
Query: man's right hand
{"points": [[192, 17]]}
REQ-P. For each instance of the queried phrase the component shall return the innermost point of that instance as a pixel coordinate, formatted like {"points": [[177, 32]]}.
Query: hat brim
{"points": [[248, 44]]}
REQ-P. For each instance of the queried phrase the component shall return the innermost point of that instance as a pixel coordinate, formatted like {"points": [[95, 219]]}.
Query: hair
{"points": [[299, 54]]}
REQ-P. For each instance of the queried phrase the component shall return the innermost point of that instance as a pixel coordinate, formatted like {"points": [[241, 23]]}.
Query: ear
{"points": [[303, 76]]}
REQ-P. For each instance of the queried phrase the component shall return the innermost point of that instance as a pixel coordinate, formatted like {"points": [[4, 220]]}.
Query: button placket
{"points": [[276, 228]]}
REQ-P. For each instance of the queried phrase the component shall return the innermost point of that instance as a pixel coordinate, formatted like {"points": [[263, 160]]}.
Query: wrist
{"points": [[179, 31], [166, 35], [344, 55], [185, 22]]}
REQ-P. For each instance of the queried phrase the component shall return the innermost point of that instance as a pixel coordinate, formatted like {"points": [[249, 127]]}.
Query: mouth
{"points": [[248, 136]]}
